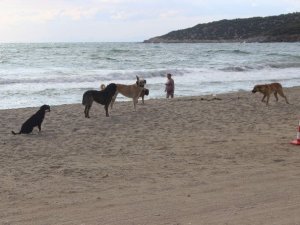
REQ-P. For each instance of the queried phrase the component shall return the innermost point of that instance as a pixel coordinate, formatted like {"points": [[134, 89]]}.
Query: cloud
{"points": [[79, 13], [119, 15], [117, 20], [14, 11], [169, 14]]}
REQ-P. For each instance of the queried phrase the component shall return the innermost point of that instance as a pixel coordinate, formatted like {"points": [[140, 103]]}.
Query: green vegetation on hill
{"points": [[282, 28]]}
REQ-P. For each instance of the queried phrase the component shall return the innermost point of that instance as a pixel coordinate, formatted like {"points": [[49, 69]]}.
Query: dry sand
{"points": [[172, 162]]}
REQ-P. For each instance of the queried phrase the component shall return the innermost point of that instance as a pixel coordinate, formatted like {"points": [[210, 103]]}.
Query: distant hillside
{"points": [[282, 28]]}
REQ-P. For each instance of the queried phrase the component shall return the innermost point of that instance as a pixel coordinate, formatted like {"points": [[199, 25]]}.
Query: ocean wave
{"points": [[226, 51], [284, 55], [284, 65], [241, 52], [235, 69], [115, 50], [97, 57], [146, 74], [125, 76], [275, 65], [111, 76]]}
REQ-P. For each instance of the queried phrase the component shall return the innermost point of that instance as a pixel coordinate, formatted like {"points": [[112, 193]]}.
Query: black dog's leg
{"points": [[87, 110], [39, 126], [106, 110]]}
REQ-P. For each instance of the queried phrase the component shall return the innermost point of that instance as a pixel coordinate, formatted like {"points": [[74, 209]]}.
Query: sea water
{"points": [[59, 73]]}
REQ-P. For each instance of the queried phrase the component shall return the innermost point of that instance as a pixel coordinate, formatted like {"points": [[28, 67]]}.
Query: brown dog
{"points": [[130, 91], [268, 89]]}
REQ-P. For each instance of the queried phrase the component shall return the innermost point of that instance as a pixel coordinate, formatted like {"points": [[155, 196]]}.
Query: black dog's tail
{"points": [[15, 132]]}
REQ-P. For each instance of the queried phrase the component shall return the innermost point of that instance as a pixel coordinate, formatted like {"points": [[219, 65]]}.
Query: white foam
{"points": [[60, 73]]}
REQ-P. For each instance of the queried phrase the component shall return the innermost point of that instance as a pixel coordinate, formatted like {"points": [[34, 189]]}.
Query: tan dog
{"points": [[268, 89], [130, 91]]}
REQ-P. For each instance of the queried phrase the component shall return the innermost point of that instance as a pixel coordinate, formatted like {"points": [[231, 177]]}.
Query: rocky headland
{"points": [[282, 28]]}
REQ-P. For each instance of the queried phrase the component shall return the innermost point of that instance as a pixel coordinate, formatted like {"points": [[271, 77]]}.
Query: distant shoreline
{"points": [[148, 42], [213, 42]]}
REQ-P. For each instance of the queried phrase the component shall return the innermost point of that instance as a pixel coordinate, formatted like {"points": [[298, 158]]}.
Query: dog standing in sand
{"points": [[144, 92], [35, 120], [130, 91], [268, 89], [103, 97]]}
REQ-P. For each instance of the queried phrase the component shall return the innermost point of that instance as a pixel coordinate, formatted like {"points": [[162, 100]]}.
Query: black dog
{"points": [[144, 92], [103, 97], [34, 120]]}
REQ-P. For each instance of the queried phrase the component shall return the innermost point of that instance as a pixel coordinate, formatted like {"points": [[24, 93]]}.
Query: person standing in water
{"points": [[170, 86]]}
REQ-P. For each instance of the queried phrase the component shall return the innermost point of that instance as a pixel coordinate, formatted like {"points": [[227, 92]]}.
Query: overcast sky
{"points": [[121, 20]]}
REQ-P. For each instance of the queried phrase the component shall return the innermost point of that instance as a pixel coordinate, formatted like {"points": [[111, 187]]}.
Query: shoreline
{"points": [[155, 99], [173, 161]]}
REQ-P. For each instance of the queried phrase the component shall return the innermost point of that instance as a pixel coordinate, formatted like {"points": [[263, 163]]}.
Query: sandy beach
{"points": [[172, 162]]}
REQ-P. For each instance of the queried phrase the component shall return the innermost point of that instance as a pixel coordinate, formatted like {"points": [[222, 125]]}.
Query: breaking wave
{"points": [[58, 73]]}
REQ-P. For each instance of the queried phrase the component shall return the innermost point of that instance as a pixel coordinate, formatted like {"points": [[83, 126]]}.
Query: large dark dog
{"points": [[34, 120], [103, 97]]}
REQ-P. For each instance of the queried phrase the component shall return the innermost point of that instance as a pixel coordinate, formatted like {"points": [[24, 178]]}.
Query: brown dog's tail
{"points": [[14, 133]]}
